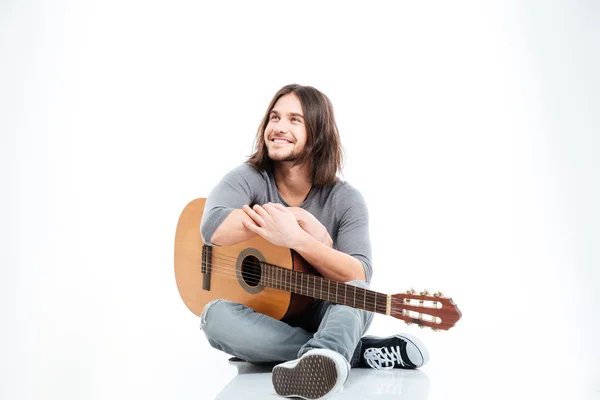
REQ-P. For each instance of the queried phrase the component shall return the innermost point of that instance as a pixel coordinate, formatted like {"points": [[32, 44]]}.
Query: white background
{"points": [[472, 129]]}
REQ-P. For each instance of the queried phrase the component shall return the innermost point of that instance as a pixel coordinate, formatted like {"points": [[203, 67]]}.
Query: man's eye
{"points": [[274, 117], [295, 119]]}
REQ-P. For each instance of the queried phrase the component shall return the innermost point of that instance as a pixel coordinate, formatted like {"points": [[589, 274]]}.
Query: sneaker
{"points": [[318, 374], [398, 351]]}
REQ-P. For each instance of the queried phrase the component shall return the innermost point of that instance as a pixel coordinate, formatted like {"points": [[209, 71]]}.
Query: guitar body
{"points": [[277, 282], [228, 274]]}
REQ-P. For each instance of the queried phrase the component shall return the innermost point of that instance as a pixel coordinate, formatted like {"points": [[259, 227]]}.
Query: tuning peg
{"points": [[411, 291], [425, 293], [435, 329], [421, 326], [409, 323], [438, 294]]}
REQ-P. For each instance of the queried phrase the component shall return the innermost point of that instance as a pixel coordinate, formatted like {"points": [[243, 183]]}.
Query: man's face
{"points": [[285, 134]]}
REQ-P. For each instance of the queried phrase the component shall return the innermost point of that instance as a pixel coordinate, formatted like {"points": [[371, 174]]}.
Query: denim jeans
{"points": [[240, 331]]}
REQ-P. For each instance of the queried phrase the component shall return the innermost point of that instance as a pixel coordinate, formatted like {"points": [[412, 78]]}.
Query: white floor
{"points": [[499, 364], [251, 382]]}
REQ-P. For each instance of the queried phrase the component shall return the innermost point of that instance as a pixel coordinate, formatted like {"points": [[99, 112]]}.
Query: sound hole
{"points": [[251, 271]]}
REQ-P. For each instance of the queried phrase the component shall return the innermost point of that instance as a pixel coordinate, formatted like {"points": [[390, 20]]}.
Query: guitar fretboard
{"points": [[318, 287]]}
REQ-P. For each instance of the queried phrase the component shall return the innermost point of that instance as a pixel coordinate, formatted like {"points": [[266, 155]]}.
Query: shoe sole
{"points": [[311, 378]]}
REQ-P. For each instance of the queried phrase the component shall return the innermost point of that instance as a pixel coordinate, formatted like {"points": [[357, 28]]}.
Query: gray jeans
{"points": [[242, 332]]}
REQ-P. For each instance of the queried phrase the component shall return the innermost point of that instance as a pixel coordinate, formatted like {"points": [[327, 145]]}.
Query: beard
{"points": [[276, 155]]}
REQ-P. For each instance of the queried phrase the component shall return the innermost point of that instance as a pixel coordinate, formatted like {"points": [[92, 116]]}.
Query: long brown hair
{"points": [[323, 145]]}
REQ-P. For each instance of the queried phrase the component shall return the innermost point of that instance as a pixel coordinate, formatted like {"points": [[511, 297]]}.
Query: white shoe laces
{"points": [[383, 357]]}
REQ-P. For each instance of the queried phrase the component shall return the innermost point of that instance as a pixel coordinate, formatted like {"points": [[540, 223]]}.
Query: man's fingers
{"points": [[260, 211], [254, 228], [278, 206], [254, 215], [271, 207]]}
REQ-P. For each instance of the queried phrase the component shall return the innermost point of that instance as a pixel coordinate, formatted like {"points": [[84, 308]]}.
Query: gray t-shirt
{"points": [[340, 208]]}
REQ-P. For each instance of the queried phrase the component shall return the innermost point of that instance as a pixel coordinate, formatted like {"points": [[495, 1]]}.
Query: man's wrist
{"points": [[298, 214], [305, 241]]}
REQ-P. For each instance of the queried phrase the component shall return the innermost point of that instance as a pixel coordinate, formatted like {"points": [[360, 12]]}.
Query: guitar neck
{"points": [[321, 288]]}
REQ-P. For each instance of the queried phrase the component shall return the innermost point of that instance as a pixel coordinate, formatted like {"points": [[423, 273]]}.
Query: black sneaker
{"points": [[398, 351]]}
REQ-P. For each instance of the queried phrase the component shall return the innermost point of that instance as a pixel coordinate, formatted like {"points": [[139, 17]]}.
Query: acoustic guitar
{"points": [[278, 282]]}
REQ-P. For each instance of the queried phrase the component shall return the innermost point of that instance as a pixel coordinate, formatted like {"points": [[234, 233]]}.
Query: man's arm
{"points": [[278, 225], [232, 229], [331, 263]]}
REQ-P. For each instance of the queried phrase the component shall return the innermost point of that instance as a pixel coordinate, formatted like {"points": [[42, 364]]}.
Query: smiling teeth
{"points": [[280, 141]]}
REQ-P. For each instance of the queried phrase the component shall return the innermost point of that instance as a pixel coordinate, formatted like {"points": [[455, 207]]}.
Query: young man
{"points": [[289, 193]]}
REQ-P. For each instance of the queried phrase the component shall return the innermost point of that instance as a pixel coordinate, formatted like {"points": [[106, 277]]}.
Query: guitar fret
{"points": [[364, 299], [345, 293], [302, 280], [307, 286], [321, 287], [375, 305], [266, 270], [266, 276]]}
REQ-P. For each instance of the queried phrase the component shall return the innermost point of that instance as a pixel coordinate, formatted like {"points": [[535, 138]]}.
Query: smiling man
{"points": [[289, 193]]}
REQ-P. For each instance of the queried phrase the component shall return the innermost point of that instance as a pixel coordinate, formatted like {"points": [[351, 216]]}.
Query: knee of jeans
{"points": [[218, 315], [209, 318], [359, 283]]}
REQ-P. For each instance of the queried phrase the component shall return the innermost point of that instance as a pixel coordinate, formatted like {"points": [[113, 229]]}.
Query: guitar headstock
{"points": [[424, 309]]}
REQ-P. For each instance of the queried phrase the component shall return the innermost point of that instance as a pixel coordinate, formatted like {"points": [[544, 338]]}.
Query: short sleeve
{"points": [[238, 187], [353, 228]]}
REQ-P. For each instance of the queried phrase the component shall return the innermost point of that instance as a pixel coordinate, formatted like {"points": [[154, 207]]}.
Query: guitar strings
{"points": [[232, 270], [228, 269], [369, 303]]}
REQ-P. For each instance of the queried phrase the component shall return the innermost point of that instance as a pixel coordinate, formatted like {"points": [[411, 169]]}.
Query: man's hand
{"points": [[275, 223], [312, 226]]}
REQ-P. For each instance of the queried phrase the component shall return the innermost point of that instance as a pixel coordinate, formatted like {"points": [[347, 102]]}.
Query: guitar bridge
{"points": [[206, 266]]}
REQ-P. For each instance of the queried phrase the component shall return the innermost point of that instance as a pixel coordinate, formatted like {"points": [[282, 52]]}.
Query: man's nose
{"points": [[281, 127]]}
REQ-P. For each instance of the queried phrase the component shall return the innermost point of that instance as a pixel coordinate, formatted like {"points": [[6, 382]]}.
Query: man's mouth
{"points": [[280, 140]]}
